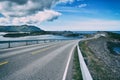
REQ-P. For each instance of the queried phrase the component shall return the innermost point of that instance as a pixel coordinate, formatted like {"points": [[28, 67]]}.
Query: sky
{"points": [[59, 15]]}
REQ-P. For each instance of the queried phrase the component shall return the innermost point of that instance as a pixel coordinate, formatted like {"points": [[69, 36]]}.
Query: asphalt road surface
{"points": [[36, 62]]}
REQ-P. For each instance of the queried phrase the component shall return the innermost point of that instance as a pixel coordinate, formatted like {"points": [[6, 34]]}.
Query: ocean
{"points": [[32, 37], [41, 37], [116, 32], [85, 32], [15, 44], [46, 36]]}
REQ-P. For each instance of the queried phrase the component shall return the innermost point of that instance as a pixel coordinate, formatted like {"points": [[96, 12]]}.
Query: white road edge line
{"points": [[67, 66]]}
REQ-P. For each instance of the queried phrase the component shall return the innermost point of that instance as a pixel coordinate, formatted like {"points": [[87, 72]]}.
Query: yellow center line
{"points": [[3, 63], [41, 50]]}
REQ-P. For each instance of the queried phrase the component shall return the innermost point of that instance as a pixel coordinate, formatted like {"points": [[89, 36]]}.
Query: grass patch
{"points": [[114, 35], [97, 67], [77, 75]]}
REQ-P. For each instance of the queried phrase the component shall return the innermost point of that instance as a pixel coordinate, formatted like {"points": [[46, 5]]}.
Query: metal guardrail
{"points": [[84, 69], [10, 44]]}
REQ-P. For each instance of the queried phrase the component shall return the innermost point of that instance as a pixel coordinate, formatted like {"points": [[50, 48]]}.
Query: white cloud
{"points": [[46, 15], [20, 8], [15, 8], [82, 5], [39, 17], [28, 11], [65, 1], [4, 20]]}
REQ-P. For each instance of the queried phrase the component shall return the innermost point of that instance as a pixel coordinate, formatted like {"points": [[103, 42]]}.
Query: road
{"points": [[48, 61]]}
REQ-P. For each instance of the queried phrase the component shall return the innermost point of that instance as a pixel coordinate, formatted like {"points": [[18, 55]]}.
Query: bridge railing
{"points": [[16, 43]]}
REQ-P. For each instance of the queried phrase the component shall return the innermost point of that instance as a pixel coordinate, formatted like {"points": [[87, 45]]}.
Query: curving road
{"points": [[46, 61]]}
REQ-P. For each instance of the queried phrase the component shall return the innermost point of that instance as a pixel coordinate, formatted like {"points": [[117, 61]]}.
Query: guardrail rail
{"points": [[16, 43], [84, 69]]}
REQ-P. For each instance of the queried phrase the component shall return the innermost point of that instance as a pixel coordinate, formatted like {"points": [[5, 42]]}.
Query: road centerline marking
{"points": [[3, 63], [41, 50]]}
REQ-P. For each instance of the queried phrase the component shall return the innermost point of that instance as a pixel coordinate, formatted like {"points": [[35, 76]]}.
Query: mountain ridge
{"points": [[20, 28]]}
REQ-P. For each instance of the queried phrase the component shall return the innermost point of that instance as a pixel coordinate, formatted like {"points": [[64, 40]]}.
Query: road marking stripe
{"points": [[44, 49], [41, 50], [68, 63], [3, 63]]}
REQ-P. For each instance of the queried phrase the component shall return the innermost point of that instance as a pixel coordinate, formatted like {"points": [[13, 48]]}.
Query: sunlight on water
{"points": [[33, 37], [117, 50]]}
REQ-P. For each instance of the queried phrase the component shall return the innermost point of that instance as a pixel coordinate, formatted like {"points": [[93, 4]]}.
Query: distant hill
{"points": [[28, 30], [21, 28]]}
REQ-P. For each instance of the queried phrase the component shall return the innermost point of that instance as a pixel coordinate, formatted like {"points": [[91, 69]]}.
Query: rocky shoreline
{"points": [[101, 61]]}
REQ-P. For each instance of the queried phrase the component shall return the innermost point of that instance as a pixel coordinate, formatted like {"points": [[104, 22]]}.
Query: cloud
{"points": [[46, 15], [16, 1], [28, 11], [20, 8], [82, 5], [67, 1], [4, 20]]}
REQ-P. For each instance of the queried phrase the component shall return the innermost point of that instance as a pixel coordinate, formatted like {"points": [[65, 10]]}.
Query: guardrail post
{"points": [[44, 41], [26, 42], [37, 42], [9, 44]]}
